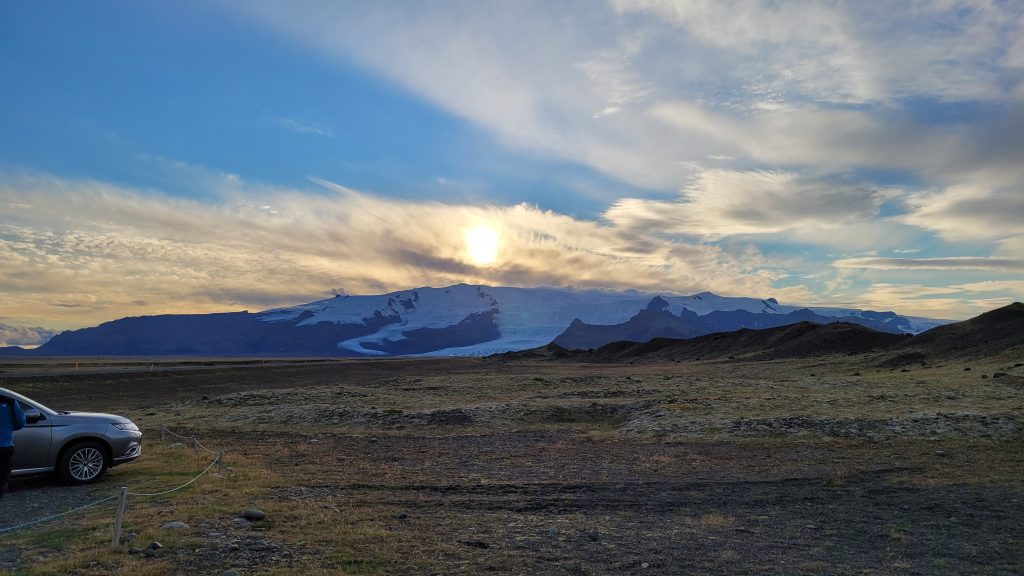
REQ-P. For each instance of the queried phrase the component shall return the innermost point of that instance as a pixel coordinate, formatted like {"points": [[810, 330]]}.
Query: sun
{"points": [[482, 242]]}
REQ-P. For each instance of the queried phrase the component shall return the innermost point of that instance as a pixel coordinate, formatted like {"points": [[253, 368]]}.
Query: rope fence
{"points": [[123, 493], [196, 445], [55, 516], [216, 461]]}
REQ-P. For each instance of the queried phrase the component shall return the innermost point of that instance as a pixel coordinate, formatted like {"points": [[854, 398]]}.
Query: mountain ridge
{"points": [[991, 334], [462, 319], [656, 321]]}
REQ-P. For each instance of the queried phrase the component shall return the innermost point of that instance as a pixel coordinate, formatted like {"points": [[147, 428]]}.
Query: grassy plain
{"points": [[464, 466]]}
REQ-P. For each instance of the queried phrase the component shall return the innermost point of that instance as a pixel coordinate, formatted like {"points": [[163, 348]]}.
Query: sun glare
{"points": [[482, 244]]}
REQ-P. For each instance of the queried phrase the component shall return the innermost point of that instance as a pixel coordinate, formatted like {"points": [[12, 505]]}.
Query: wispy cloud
{"points": [[733, 124], [302, 126], [719, 203], [638, 86], [93, 251], [949, 302], [828, 137], [856, 52], [952, 263], [113, 251], [969, 212]]}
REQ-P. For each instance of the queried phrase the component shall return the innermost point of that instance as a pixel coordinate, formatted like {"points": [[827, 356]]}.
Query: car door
{"points": [[32, 443]]}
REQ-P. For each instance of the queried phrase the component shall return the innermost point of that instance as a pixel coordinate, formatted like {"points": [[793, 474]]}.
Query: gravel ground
{"points": [[36, 497]]}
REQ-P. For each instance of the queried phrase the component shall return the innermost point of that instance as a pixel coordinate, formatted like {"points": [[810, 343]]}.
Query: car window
{"points": [[22, 401]]}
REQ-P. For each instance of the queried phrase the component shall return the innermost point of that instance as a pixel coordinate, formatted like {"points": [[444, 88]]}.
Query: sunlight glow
{"points": [[482, 242]]}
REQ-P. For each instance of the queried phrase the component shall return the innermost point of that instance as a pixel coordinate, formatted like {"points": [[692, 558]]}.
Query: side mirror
{"points": [[33, 415]]}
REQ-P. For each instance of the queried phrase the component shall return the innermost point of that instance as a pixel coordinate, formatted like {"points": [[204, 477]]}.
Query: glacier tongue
{"points": [[425, 308]]}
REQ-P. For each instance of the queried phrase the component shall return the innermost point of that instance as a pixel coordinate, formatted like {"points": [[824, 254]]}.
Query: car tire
{"points": [[83, 463]]}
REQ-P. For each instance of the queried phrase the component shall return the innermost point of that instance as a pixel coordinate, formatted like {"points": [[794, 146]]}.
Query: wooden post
{"points": [[116, 542], [195, 444], [163, 434], [220, 460]]}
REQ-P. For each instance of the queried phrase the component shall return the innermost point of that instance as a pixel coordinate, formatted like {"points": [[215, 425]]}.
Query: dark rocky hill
{"points": [[550, 352], [999, 331], [794, 340]]}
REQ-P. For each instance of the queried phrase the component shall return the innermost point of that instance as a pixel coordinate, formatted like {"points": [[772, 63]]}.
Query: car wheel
{"points": [[83, 463]]}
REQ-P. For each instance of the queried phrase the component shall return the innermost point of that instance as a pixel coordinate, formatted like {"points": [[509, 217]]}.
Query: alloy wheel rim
{"points": [[86, 464]]}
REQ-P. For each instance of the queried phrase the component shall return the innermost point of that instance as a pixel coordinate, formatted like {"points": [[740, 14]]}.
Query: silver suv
{"points": [[78, 446]]}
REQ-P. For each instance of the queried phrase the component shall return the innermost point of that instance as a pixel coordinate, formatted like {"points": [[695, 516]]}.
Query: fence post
{"points": [[195, 444], [163, 434], [115, 543], [220, 460]]}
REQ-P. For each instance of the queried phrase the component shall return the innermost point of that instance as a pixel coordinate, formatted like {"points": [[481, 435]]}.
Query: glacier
{"points": [[524, 317]]}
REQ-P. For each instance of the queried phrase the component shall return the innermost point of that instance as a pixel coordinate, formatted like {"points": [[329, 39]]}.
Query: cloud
{"points": [[813, 135], [808, 46], [100, 251], [718, 203], [302, 126], [1015, 287], [24, 336], [853, 52], [1012, 246], [951, 263], [969, 212], [956, 302], [522, 71], [798, 106], [636, 89]]}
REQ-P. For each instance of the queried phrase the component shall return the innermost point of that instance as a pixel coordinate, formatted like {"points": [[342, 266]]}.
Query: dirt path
{"points": [[40, 496]]}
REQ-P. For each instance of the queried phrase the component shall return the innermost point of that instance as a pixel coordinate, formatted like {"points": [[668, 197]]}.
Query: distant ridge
{"points": [[457, 320], [657, 321], [993, 333]]}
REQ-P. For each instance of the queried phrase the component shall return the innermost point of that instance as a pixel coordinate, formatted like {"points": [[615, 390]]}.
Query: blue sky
{"points": [[103, 87], [226, 155]]}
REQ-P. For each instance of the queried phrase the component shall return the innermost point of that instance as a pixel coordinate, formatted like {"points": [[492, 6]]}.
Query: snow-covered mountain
{"points": [[527, 317], [456, 320]]}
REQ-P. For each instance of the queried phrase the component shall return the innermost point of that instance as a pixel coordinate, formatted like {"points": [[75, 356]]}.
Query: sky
{"points": [[228, 155]]}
